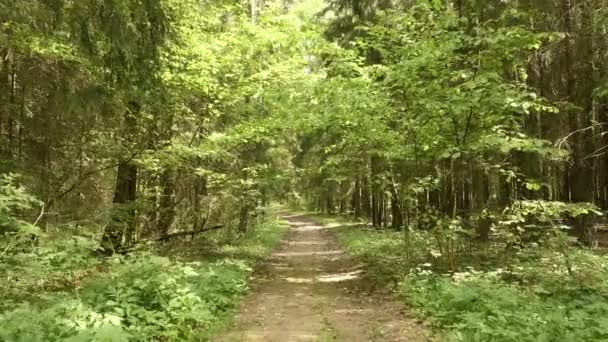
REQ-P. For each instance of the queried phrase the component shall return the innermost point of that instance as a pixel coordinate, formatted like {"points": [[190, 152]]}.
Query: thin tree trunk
{"points": [[366, 198], [200, 190], [244, 219], [166, 204], [356, 199], [122, 221], [397, 218], [581, 174]]}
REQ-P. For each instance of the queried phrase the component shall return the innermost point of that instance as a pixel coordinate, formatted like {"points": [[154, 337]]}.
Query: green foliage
{"points": [[142, 296], [138, 299], [536, 221], [14, 199], [470, 125], [539, 294], [480, 306], [152, 296], [382, 252], [32, 260]]}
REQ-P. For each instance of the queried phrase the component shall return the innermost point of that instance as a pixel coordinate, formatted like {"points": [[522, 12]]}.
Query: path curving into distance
{"points": [[310, 290]]}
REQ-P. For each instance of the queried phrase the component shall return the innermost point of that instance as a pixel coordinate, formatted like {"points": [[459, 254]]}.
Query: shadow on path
{"points": [[309, 290]]}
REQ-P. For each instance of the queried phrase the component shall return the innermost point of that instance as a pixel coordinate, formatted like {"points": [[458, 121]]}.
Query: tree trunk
{"points": [[366, 204], [356, 199], [244, 219], [581, 175], [397, 217], [4, 110], [122, 218], [376, 192], [200, 190], [481, 200], [167, 204]]}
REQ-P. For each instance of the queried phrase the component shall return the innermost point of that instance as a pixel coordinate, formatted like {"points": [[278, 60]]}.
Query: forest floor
{"points": [[310, 290]]}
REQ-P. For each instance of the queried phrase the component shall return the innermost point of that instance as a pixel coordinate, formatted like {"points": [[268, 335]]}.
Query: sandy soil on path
{"points": [[310, 290]]}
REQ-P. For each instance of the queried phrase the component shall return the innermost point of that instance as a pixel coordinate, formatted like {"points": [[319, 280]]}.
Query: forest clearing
{"points": [[303, 170]]}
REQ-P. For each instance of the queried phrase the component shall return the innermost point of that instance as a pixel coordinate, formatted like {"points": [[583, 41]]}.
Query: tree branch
{"points": [[167, 237], [189, 232], [83, 178]]}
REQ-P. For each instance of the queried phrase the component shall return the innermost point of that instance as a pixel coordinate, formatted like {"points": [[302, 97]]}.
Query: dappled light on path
{"points": [[338, 277], [327, 278], [306, 254], [303, 227], [310, 288], [306, 243]]}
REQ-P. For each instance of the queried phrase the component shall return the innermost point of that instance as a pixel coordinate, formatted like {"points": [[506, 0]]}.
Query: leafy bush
{"points": [[552, 292], [483, 308], [15, 232], [138, 299], [386, 252], [154, 297], [531, 222], [48, 264], [61, 318], [32, 260], [144, 297]]}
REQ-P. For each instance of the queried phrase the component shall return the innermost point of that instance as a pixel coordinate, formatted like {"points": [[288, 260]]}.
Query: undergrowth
{"points": [[186, 295], [535, 294]]}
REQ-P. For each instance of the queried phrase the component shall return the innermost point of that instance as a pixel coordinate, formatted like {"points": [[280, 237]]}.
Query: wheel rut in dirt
{"points": [[310, 290]]}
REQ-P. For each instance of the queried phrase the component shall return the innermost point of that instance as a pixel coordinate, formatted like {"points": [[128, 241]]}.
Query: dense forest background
{"points": [[129, 122]]}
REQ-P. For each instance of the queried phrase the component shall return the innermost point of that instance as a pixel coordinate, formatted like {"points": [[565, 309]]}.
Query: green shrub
{"points": [[479, 308], [138, 299], [144, 297], [386, 253], [548, 293], [155, 297]]}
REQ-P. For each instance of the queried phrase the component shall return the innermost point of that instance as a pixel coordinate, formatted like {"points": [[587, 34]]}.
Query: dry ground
{"points": [[310, 290]]}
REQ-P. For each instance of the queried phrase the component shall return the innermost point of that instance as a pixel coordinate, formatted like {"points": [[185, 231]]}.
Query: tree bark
{"points": [[581, 173], [396, 213], [356, 199], [244, 219], [167, 204], [122, 218], [200, 190]]}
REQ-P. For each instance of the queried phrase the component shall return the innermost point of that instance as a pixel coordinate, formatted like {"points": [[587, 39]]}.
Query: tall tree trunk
{"points": [[4, 110], [366, 204], [581, 173], [356, 199], [396, 212], [376, 192], [122, 218], [200, 190], [12, 107], [166, 204], [481, 200], [244, 218], [45, 148]]}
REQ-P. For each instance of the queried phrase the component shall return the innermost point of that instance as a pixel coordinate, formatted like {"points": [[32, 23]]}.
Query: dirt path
{"points": [[311, 291]]}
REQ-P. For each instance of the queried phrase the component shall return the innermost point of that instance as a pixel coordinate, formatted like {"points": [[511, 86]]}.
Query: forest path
{"points": [[310, 290]]}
